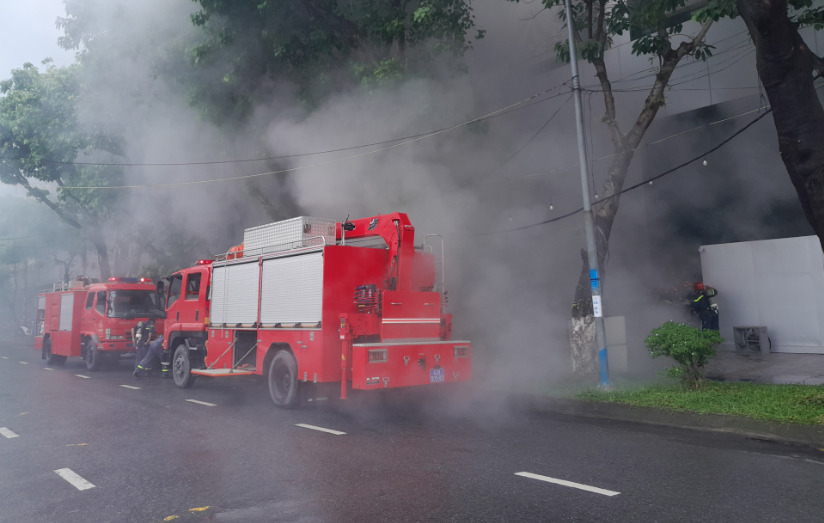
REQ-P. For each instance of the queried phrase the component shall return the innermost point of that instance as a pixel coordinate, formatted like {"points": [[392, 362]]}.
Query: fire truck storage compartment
{"points": [[41, 316], [244, 354], [66, 311], [303, 231], [235, 288], [292, 290]]}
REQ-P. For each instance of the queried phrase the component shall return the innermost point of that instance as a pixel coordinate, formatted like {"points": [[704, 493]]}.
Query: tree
{"points": [[595, 23], [244, 47], [787, 68], [42, 142], [31, 244]]}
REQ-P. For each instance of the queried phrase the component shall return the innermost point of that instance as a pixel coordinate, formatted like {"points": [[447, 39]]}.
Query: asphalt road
{"points": [[104, 446]]}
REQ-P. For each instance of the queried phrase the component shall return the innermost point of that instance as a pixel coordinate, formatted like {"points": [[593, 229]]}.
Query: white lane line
{"points": [[75, 479], [4, 357], [7, 433], [320, 429], [47, 368], [130, 387], [566, 483], [206, 403], [83, 376], [23, 362]]}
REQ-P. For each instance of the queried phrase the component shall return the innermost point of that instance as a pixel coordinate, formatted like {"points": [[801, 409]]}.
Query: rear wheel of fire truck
{"points": [[283, 380], [182, 367], [94, 360], [51, 359]]}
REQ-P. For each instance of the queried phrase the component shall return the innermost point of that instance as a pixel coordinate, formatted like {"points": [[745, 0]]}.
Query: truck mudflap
{"points": [[410, 363]]}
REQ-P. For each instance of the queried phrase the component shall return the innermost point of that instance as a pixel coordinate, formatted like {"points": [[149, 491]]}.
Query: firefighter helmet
{"points": [[699, 286]]}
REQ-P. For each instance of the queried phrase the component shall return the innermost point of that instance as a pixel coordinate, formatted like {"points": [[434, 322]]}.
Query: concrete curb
{"points": [[807, 435]]}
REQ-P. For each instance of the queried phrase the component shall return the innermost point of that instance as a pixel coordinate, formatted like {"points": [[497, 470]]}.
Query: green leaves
{"points": [[689, 346], [357, 42], [41, 138]]}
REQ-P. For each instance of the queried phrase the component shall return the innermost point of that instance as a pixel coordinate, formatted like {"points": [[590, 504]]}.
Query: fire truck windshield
{"points": [[134, 304]]}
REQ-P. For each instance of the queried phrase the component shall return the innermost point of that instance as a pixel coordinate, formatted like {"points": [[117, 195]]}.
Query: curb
{"points": [[807, 435]]}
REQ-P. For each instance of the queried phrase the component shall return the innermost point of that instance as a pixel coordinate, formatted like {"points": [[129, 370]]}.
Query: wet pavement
{"points": [[772, 368]]}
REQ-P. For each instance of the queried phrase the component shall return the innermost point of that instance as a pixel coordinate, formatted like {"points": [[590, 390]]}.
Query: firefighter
{"points": [[142, 335], [701, 305], [153, 355]]}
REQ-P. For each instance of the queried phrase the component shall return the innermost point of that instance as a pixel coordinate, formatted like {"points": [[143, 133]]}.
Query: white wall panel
{"points": [[778, 284]]}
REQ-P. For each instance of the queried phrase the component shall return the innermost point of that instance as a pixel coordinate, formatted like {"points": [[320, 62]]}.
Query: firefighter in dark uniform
{"points": [[152, 358], [141, 336], [701, 305]]}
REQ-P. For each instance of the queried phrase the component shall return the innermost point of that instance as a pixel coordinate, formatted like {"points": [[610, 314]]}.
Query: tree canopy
{"points": [[45, 149], [243, 47]]}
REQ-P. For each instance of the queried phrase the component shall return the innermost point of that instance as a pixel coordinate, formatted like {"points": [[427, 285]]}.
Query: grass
{"points": [[784, 403]]}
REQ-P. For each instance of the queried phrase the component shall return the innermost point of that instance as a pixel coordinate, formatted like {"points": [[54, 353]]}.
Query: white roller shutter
{"points": [[292, 290], [235, 294], [66, 311]]}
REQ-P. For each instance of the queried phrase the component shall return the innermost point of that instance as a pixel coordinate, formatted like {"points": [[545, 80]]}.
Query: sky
{"points": [[29, 34]]}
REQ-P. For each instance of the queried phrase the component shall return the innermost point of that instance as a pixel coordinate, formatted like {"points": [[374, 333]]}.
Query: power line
{"points": [[521, 104], [645, 182]]}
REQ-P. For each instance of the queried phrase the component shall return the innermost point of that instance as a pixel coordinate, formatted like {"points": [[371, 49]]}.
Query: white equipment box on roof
{"points": [[303, 231]]}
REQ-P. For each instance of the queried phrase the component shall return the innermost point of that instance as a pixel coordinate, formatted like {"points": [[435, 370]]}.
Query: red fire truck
{"points": [[94, 320], [310, 301]]}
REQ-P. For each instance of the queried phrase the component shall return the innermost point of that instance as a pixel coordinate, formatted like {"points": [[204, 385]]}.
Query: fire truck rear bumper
{"points": [[410, 363]]}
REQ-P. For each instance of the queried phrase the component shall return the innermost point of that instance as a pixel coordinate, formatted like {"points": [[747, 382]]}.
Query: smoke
{"points": [[483, 186]]}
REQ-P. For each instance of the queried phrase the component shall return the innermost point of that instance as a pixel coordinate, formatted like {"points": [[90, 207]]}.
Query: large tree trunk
{"points": [[101, 246], [785, 65]]}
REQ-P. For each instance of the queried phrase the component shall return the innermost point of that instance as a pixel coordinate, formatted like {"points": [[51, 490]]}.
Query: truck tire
{"points": [[51, 359], [94, 360], [283, 380], [182, 367]]}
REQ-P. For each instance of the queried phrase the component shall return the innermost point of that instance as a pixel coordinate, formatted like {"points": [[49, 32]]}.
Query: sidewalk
{"points": [[773, 368]]}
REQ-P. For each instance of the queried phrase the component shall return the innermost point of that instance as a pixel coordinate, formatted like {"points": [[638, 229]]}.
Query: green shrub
{"points": [[689, 346]]}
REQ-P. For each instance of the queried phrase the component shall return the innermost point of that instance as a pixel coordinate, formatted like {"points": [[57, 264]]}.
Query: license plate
{"points": [[436, 375]]}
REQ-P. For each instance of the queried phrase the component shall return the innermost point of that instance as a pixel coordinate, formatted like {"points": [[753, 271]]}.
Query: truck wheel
{"points": [[94, 360], [283, 380], [182, 367]]}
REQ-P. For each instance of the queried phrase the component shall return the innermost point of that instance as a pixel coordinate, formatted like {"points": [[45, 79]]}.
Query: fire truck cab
{"points": [[302, 303], [94, 320]]}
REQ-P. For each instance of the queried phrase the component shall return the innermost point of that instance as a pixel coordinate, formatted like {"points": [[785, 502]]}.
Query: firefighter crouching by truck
{"points": [[317, 306]]}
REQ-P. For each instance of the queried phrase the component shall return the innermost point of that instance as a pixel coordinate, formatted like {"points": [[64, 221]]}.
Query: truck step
{"points": [[217, 373]]}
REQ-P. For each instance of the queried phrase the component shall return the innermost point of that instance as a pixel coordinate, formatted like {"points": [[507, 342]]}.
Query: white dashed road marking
{"points": [[203, 403], [47, 368], [7, 433], [23, 362], [83, 376], [74, 479], [566, 483], [130, 387], [320, 429]]}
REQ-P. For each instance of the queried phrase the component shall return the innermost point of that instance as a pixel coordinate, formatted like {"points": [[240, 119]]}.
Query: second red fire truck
{"points": [[310, 301], [94, 321]]}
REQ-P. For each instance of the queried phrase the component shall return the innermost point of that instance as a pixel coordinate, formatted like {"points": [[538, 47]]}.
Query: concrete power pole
{"points": [[589, 221]]}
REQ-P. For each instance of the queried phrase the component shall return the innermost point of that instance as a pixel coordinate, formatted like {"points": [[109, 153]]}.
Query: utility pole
{"points": [[589, 221]]}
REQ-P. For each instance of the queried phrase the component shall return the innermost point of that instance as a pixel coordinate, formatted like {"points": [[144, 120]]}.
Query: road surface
{"points": [[79, 446]]}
